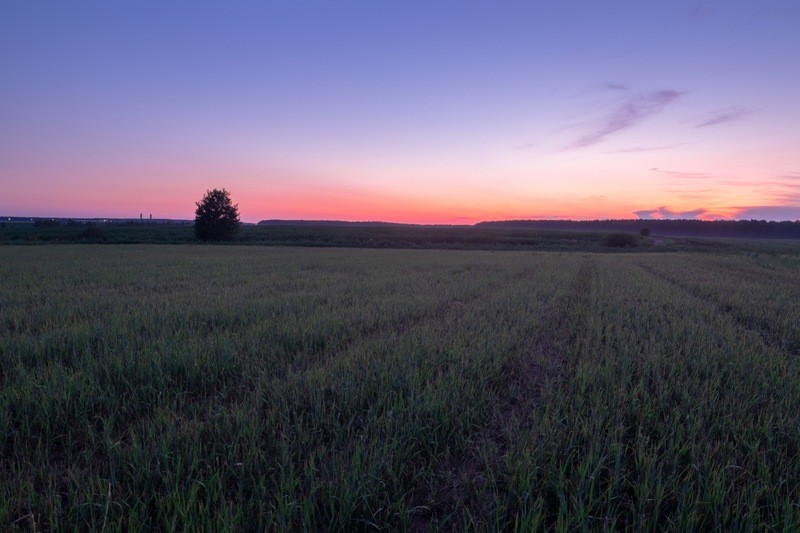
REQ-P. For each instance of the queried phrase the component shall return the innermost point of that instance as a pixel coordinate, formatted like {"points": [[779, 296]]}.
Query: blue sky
{"points": [[405, 111]]}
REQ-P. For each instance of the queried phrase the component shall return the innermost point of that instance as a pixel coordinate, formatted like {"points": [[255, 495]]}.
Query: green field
{"points": [[251, 388], [377, 236]]}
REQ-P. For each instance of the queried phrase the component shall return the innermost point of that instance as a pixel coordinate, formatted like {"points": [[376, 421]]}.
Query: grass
{"points": [[252, 388], [385, 236]]}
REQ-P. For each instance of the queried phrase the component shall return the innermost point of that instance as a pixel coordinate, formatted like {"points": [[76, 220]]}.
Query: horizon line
{"points": [[18, 218]]}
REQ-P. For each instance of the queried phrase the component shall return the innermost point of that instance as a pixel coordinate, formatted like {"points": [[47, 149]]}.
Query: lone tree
{"points": [[216, 218]]}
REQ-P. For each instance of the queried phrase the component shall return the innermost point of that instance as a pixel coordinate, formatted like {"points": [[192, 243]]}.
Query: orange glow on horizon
{"points": [[361, 205]]}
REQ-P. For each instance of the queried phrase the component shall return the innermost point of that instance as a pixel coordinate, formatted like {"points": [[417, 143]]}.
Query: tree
{"points": [[216, 218]]}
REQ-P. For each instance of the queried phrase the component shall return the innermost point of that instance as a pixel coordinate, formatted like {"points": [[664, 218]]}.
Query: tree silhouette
{"points": [[216, 218]]}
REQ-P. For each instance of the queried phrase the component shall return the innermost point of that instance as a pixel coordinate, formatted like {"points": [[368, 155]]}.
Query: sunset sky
{"points": [[406, 111]]}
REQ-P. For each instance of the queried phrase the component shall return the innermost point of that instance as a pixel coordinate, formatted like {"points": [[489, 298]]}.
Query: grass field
{"points": [[251, 388], [378, 236]]}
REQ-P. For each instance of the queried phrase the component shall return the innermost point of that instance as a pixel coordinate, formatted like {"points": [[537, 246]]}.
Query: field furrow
{"points": [[233, 388], [766, 299], [664, 421], [461, 490]]}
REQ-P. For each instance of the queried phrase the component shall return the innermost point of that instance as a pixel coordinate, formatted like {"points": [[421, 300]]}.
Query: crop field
{"points": [[268, 388]]}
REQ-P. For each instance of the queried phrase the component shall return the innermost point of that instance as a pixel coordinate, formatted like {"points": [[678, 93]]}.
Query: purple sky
{"points": [[402, 111]]}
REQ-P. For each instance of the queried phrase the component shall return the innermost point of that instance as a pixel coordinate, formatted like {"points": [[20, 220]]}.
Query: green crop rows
{"points": [[245, 388]]}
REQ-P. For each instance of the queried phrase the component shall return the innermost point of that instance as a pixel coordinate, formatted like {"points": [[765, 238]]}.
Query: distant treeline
{"points": [[344, 223], [52, 222], [760, 229]]}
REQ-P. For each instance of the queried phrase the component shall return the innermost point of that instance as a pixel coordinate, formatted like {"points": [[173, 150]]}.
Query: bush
{"points": [[93, 233], [46, 223], [620, 240], [644, 232]]}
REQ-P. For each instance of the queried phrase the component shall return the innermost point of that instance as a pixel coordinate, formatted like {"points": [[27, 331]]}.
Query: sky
{"points": [[444, 112]]}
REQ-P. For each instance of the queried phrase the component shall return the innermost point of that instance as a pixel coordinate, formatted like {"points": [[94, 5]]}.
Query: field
{"points": [[378, 236], [251, 388]]}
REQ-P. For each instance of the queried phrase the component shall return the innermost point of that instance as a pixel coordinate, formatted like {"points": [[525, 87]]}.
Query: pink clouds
{"points": [[662, 213]]}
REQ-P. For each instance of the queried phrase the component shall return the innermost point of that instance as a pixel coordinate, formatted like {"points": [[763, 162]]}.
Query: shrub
{"points": [[46, 223], [93, 233], [620, 240], [644, 232]]}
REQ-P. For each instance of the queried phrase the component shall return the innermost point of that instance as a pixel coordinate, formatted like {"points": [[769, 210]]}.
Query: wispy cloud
{"points": [[664, 213], [600, 88], [700, 12], [781, 189], [788, 193], [631, 112], [677, 174], [692, 194], [724, 115], [638, 149], [745, 183], [544, 217], [614, 86]]}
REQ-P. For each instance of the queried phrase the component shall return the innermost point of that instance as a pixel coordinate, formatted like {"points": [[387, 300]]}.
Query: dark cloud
{"points": [[631, 112], [724, 115], [664, 213]]}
